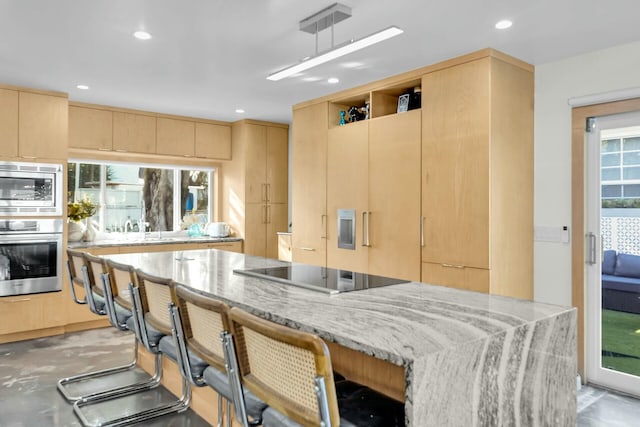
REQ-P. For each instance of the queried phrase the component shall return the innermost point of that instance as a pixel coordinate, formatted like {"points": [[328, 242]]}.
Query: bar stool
{"points": [[291, 371], [198, 324], [84, 272], [150, 320]]}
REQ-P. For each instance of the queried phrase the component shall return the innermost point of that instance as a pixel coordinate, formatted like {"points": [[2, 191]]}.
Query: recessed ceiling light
{"points": [[142, 35], [82, 87], [504, 24], [333, 80], [239, 110]]}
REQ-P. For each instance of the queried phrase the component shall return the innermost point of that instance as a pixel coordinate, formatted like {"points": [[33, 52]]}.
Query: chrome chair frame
{"points": [[177, 406], [130, 388], [185, 364]]}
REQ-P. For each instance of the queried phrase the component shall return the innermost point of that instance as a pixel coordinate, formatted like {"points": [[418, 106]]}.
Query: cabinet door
{"points": [[175, 137], [277, 164], [255, 238], [90, 128], [277, 220], [134, 132], [456, 276], [213, 141], [43, 126], [8, 123], [256, 163], [394, 186], [23, 313], [455, 161], [347, 188], [309, 183]]}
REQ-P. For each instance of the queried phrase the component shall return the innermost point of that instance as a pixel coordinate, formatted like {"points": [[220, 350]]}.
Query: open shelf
{"points": [[382, 102]]}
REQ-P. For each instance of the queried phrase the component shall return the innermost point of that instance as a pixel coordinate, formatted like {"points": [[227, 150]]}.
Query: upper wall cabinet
{"points": [[33, 125], [175, 137], [213, 141], [9, 122], [134, 132], [95, 127], [90, 128]]}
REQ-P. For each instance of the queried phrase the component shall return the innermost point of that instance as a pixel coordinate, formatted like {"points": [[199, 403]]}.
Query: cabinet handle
{"points": [[104, 149], [264, 192], [19, 300], [268, 214], [323, 226], [452, 266], [28, 157], [364, 228], [422, 231], [264, 214], [366, 214], [308, 249], [268, 192]]}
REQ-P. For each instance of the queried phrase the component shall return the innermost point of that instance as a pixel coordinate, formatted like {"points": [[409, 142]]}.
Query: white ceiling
{"points": [[209, 57]]}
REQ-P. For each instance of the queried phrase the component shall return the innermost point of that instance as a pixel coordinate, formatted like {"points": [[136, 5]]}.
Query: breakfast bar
{"points": [[462, 358]]}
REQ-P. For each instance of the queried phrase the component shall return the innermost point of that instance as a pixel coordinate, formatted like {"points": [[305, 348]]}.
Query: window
{"points": [[130, 195], [620, 166]]}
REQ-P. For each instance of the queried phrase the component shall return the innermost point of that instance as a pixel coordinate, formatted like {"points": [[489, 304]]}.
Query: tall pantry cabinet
{"points": [[443, 193], [477, 168], [255, 200]]}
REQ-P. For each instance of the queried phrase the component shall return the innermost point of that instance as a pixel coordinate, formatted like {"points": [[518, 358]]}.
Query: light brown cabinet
{"points": [[374, 168], [309, 183], [213, 141], [134, 133], [33, 125], [477, 198], [43, 126], [446, 190], [25, 313], [255, 201], [90, 128], [9, 122], [175, 137]]}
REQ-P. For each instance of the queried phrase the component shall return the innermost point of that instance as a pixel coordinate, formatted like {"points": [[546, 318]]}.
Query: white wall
{"points": [[592, 73]]}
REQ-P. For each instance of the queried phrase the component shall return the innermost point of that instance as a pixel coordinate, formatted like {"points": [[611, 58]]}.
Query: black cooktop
{"points": [[328, 280]]}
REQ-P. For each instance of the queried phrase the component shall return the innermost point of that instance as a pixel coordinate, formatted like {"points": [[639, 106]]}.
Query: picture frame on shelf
{"points": [[403, 103]]}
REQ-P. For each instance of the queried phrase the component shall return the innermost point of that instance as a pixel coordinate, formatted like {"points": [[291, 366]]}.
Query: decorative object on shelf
{"points": [[342, 120], [355, 114], [76, 212], [366, 109], [415, 98], [403, 103]]}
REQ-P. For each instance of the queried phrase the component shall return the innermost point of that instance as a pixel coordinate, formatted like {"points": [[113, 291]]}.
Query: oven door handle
{"points": [[33, 239]]}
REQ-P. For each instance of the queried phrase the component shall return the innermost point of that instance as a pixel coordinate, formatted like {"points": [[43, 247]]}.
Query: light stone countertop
{"points": [[492, 351], [137, 241]]}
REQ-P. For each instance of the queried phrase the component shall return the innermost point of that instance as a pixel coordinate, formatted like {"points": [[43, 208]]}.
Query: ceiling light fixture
{"points": [[82, 87], [333, 80], [142, 35], [324, 19], [239, 110], [504, 24]]}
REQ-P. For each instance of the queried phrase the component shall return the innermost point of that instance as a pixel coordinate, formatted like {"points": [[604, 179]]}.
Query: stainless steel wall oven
{"points": [[30, 256]]}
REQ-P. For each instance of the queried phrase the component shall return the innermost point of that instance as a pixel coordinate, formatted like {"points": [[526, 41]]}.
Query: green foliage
{"points": [[621, 203], [620, 338], [77, 211]]}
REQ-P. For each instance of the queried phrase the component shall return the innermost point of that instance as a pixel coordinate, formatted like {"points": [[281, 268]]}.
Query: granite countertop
{"points": [[446, 339], [135, 239]]}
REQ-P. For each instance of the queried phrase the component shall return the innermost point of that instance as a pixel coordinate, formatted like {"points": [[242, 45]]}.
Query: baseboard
{"points": [[30, 335]]}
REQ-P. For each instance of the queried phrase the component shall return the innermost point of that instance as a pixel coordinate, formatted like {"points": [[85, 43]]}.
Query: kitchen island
{"points": [[467, 359]]}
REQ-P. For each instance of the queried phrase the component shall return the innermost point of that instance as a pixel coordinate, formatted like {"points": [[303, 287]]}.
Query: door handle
{"points": [[308, 249], [422, 231], [591, 248]]}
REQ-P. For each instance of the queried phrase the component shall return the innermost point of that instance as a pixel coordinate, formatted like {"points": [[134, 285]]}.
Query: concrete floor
{"points": [[29, 371]]}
